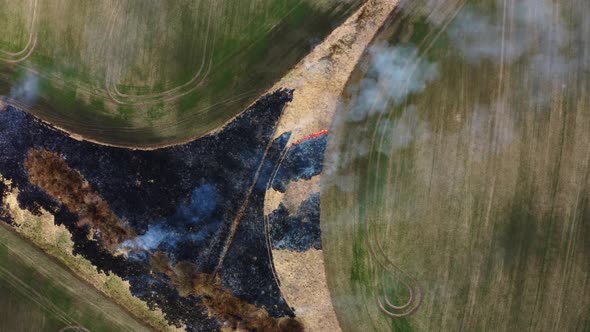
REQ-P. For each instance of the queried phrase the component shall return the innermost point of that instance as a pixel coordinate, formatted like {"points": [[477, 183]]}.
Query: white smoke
{"points": [[393, 74], [161, 235], [532, 31], [531, 35], [400, 133], [152, 239], [479, 38], [172, 230], [26, 90]]}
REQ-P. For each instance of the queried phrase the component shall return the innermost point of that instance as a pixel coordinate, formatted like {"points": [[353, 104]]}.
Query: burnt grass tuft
{"points": [[299, 231], [50, 172], [232, 312]]}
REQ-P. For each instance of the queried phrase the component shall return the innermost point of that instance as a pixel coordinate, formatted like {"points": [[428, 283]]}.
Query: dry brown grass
{"points": [[233, 312], [320, 77], [51, 173]]}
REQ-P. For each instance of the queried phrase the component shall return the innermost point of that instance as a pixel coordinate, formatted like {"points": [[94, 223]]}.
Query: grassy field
{"points": [[148, 72], [459, 198], [40, 295]]}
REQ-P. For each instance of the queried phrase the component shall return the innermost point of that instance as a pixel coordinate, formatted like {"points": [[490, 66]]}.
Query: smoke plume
{"points": [[531, 31], [26, 90], [191, 222], [394, 72]]}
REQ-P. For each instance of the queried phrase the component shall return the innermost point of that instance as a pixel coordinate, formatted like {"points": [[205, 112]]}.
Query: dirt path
{"points": [[319, 78]]}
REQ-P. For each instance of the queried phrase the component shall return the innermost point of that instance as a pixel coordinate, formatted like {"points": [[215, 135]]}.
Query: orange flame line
{"points": [[312, 136]]}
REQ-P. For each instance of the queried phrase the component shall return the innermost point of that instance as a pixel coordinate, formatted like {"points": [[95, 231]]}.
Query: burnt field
{"points": [[200, 202]]}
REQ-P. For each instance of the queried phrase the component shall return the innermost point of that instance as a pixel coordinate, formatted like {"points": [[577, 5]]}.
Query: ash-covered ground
{"points": [[298, 231], [182, 200]]}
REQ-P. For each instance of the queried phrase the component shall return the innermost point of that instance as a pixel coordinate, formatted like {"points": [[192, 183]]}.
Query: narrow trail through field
{"points": [[25, 53], [165, 96]]}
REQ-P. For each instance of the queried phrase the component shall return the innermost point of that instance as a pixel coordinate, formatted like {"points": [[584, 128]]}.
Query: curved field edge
{"points": [[318, 82], [246, 63]]}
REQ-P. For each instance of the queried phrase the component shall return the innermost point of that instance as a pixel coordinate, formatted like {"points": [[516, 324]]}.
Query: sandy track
{"points": [[319, 80]]}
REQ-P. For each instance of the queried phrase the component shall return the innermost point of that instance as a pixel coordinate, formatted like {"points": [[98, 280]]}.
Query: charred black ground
{"points": [[180, 200], [298, 232]]}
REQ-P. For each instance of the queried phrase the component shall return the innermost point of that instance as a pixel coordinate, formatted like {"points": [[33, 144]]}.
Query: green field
{"points": [[40, 295], [149, 72], [457, 197]]}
